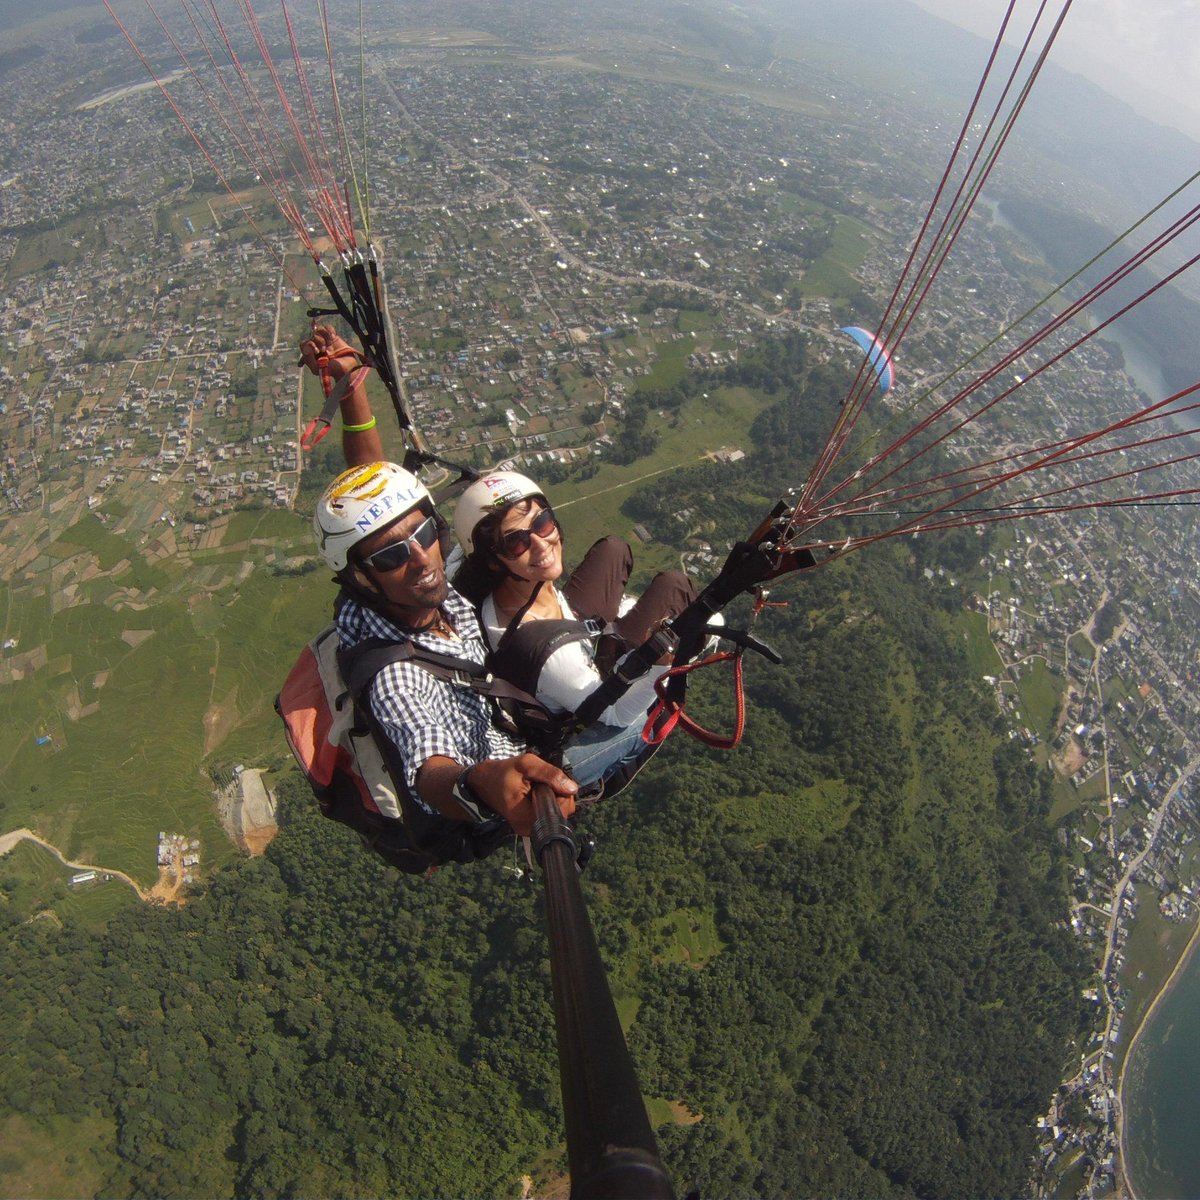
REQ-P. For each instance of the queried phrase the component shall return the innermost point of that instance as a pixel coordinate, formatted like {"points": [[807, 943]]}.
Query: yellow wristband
{"points": [[359, 428]]}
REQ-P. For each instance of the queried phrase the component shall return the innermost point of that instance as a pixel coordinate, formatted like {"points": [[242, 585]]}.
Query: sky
{"points": [[1145, 52]]}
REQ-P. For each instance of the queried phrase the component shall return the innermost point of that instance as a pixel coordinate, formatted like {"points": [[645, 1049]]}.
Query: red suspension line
{"points": [[273, 186], [270, 146], [348, 172], [987, 482], [839, 547], [824, 459], [1007, 360], [921, 520], [1120, 273], [964, 476], [960, 209], [272, 152], [315, 128], [329, 215], [1097, 481], [202, 148], [892, 335], [962, 367], [1065, 456]]}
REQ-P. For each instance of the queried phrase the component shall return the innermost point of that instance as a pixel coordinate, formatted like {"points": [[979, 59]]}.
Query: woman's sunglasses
{"points": [[516, 541], [393, 556]]}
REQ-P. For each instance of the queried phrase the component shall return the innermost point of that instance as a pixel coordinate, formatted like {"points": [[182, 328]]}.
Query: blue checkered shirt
{"points": [[425, 716]]}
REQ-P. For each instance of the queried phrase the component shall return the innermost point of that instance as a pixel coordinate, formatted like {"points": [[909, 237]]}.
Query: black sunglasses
{"points": [[393, 556], [517, 541]]}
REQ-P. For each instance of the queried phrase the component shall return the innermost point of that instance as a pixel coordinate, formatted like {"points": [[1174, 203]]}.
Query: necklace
{"points": [[439, 626]]}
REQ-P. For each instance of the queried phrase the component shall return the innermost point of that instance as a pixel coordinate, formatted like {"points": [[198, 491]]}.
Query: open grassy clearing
{"points": [[56, 1158], [981, 653], [1041, 694], [809, 814], [687, 936], [1066, 800], [65, 244], [833, 274]]}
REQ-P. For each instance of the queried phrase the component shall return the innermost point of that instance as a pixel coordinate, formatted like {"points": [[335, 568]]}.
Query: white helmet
{"points": [[495, 491], [360, 502]]}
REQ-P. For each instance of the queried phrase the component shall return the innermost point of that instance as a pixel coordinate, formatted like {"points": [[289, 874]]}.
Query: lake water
{"points": [[1140, 364], [1162, 1096]]}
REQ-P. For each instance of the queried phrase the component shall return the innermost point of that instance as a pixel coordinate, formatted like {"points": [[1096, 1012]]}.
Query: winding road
{"points": [[8, 841]]}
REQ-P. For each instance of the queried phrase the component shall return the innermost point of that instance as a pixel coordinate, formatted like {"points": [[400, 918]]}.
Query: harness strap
{"points": [[511, 628], [320, 425], [624, 675], [362, 662]]}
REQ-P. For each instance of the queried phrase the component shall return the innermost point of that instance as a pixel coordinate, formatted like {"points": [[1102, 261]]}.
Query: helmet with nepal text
{"points": [[362, 501], [490, 493]]}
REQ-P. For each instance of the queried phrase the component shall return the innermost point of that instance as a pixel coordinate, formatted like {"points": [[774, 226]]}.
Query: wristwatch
{"points": [[469, 800]]}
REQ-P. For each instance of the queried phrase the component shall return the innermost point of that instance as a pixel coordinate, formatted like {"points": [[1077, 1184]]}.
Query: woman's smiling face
{"points": [[529, 542]]}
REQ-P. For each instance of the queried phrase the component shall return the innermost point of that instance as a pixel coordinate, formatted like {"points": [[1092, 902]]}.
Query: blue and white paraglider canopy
{"points": [[876, 352]]}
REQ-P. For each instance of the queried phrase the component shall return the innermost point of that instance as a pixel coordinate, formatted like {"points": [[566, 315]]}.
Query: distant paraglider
{"points": [[876, 352]]}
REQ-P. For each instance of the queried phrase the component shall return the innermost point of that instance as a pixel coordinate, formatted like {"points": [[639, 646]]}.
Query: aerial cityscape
{"points": [[572, 221]]}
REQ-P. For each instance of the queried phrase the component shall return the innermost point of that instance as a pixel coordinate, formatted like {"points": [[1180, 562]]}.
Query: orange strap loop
{"points": [[320, 425]]}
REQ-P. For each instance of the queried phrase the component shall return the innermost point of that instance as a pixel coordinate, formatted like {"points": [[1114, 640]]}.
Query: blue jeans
{"points": [[595, 752]]}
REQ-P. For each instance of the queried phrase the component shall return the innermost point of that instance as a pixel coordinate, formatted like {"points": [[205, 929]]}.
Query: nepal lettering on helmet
{"points": [[397, 504]]}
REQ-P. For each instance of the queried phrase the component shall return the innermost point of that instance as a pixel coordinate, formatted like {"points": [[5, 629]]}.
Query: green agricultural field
{"points": [[670, 364], [56, 1157], [1153, 949], [833, 274], [981, 653], [694, 321], [1081, 646], [1117, 689], [89, 533], [1040, 692], [1066, 800], [1074, 1177], [1092, 789], [31, 880], [130, 705], [270, 623], [67, 242], [270, 525], [107, 806]]}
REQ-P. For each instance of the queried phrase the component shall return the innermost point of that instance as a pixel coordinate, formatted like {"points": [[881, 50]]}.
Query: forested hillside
{"points": [[839, 950]]}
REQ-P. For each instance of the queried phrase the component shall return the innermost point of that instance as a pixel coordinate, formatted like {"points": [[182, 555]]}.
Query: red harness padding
{"points": [[668, 713]]}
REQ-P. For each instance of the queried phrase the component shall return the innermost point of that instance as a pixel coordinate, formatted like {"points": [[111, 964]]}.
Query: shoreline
{"points": [[1125, 1186]]}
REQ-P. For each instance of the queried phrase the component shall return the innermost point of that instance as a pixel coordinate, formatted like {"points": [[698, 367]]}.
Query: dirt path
{"points": [[165, 891]]}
